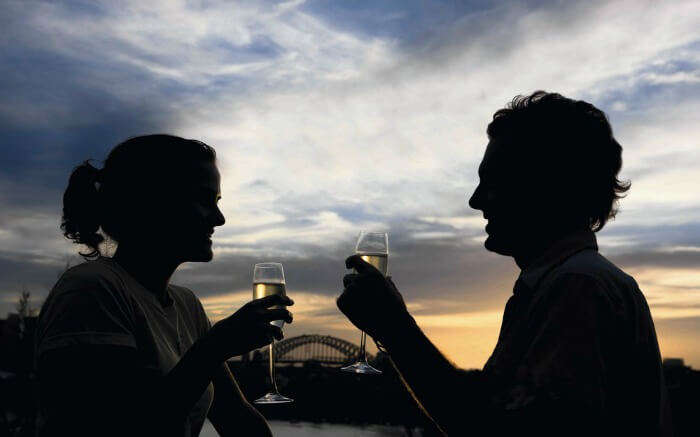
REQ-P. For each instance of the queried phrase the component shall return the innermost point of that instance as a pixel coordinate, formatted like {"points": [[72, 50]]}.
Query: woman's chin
{"points": [[206, 255], [200, 254]]}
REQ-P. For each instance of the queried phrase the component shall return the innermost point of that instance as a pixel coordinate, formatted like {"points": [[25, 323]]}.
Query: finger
{"points": [[276, 332], [343, 303], [277, 314], [356, 262], [340, 302], [275, 299], [349, 279]]}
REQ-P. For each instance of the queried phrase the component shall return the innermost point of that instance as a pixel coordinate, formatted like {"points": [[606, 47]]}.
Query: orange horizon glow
{"points": [[468, 338]]}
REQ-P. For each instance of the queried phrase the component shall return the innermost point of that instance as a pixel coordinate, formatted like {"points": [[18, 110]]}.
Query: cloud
{"points": [[329, 118]]}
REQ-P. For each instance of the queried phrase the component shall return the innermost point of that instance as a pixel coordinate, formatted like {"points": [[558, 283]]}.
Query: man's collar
{"points": [[556, 254]]}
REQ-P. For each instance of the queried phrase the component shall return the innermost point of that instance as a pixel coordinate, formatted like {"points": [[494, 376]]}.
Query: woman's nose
{"points": [[219, 218]]}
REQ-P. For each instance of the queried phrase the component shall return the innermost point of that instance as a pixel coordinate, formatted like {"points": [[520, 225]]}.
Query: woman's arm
{"points": [[231, 413]]}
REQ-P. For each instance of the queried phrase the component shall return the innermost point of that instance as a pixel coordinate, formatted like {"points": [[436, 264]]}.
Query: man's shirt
{"points": [[577, 344]]}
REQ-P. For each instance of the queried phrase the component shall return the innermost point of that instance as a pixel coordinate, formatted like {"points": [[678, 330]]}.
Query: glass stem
{"points": [[272, 368], [363, 351]]}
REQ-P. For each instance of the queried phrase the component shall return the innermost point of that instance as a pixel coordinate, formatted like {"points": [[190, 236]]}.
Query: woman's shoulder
{"points": [[95, 275], [87, 305], [186, 296], [192, 304], [99, 266]]}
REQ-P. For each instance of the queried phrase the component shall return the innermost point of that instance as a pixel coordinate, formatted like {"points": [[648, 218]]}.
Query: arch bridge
{"points": [[324, 349]]}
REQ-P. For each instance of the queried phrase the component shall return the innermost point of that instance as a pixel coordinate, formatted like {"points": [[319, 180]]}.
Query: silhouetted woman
{"points": [[120, 350]]}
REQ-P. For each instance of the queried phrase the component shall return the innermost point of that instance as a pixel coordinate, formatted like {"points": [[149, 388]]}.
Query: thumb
{"points": [[356, 262]]}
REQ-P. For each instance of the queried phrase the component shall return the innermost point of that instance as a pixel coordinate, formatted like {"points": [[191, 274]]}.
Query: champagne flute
{"points": [[373, 248], [268, 279]]}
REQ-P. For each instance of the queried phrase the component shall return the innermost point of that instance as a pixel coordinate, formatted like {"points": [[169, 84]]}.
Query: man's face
{"points": [[504, 198]]}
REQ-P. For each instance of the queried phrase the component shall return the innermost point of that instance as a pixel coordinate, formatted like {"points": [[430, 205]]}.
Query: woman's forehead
{"points": [[206, 174]]}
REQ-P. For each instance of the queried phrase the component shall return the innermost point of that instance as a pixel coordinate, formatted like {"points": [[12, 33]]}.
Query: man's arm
{"points": [[444, 392], [448, 395], [559, 381], [231, 413]]}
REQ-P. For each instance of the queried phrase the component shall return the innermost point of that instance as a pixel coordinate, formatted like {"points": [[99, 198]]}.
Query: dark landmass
{"points": [[322, 393]]}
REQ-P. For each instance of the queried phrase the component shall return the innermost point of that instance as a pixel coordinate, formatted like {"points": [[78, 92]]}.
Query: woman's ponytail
{"points": [[81, 209]]}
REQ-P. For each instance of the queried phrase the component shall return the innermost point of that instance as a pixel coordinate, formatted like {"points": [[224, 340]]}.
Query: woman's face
{"points": [[194, 214]]}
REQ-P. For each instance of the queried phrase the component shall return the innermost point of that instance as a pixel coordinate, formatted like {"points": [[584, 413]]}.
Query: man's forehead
{"points": [[493, 157]]}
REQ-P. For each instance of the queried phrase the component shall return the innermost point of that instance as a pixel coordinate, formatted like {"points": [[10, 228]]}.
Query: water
{"points": [[308, 429]]}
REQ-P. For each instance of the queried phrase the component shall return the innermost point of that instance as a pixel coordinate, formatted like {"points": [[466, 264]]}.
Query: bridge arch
{"points": [[321, 348]]}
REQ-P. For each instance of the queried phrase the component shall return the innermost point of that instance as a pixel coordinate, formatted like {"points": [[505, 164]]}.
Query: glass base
{"points": [[361, 367], [273, 398]]}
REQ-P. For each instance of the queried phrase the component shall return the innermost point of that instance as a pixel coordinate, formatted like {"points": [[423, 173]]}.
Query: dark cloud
{"points": [[60, 105], [652, 236], [32, 273], [58, 108], [662, 259], [406, 21]]}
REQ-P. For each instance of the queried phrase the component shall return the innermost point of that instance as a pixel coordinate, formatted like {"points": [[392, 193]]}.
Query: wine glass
{"points": [[373, 247], [268, 279]]}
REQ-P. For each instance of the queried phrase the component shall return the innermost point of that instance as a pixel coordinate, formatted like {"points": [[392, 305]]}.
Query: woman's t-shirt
{"points": [[100, 303]]}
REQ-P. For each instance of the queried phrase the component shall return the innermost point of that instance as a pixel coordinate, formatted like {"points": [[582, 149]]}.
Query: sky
{"points": [[333, 117]]}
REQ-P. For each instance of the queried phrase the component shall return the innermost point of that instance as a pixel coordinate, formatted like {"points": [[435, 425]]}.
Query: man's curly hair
{"points": [[568, 147]]}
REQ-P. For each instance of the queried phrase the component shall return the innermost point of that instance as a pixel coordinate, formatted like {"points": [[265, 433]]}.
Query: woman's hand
{"points": [[249, 328]]}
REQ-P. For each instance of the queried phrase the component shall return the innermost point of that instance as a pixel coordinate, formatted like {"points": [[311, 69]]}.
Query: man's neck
{"points": [[152, 272], [534, 247]]}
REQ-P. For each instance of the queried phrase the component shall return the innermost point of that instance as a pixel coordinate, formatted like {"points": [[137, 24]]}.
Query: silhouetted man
{"points": [[577, 352]]}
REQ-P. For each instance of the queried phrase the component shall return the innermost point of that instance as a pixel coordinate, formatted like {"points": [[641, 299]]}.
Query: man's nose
{"points": [[475, 199]]}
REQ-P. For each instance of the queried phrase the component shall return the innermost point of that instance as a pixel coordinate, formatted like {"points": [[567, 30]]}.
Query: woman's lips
{"points": [[206, 238]]}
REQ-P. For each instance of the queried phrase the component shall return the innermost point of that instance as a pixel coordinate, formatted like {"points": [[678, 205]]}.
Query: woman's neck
{"points": [[152, 272]]}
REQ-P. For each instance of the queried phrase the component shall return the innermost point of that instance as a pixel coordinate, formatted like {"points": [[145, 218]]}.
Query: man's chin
{"points": [[493, 244]]}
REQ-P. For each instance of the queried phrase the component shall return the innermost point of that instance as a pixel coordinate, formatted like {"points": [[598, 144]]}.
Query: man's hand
{"points": [[371, 301]]}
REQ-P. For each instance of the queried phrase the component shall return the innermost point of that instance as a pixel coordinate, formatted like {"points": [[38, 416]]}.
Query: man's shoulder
{"points": [[597, 269], [591, 262]]}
